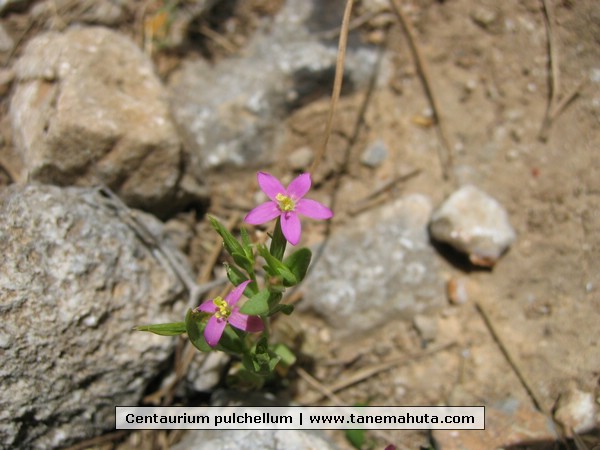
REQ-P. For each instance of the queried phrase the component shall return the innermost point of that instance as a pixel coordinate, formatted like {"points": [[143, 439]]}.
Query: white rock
{"points": [[576, 410], [474, 223]]}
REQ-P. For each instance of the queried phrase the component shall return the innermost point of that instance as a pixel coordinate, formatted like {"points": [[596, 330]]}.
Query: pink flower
{"points": [[225, 312], [287, 204]]}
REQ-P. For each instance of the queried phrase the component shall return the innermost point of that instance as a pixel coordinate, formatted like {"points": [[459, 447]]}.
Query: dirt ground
{"points": [[530, 327]]}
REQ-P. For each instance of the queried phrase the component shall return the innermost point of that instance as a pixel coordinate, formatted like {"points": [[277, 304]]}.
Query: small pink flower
{"points": [[287, 204], [225, 312]]}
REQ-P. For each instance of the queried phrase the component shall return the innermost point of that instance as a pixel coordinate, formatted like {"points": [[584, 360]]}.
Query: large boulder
{"points": [[75, 279], [88, 109]]}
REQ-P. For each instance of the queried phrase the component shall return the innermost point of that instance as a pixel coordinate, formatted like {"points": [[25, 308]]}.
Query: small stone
{"points": [[577, 411], [374, 154], [474, 223], [457, 290], [300, 158], [487, 18], [426, 326]]}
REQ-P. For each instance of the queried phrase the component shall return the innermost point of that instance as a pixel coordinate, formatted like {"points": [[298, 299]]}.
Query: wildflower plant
{"points": [[240, 326]]}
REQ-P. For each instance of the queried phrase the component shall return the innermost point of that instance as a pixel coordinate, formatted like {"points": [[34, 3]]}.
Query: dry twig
{"points": [[337, 83], [371, 200], [368, 372], [216, 251], [555, 106], [146, 236], [446, 161], [525, 382], [511, 361]]}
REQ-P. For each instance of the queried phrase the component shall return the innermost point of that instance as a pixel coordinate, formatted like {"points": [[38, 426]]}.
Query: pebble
{"points": [[487, 18], [473, 223], [577, 411], [458, 290], [301, 158], [426, 326], [375, 154]]}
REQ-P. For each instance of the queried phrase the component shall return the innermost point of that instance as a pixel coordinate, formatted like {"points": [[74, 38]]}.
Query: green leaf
{"points": [[231, 342], [298, 263], [287, 356], [246, 244], [246, 379], [195, 322], [257, 305], [231, 244], [277, 266], [242, 261], [356, 438], [235, 275], [284, 308], [274, 299], [278, 241], [261, 359], [164, 329]]}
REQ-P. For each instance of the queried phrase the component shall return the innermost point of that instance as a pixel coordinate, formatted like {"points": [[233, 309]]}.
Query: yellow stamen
{"points": [[224, 310], [286, 203]]}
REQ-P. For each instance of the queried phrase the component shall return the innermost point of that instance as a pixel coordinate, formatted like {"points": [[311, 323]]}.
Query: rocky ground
{"points": [[176, 105]]}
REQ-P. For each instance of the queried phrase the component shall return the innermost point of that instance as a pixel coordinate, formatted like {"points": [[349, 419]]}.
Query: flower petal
{"points": [[299, 186], [291, 227], [313, 209], [208, 307], [262, 213], [234, 296], [244, 322], [270, 185], [214, 330]]}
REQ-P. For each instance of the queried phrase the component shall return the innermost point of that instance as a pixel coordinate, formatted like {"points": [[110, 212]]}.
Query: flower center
{"points": [[285, 202], [223, 310]]}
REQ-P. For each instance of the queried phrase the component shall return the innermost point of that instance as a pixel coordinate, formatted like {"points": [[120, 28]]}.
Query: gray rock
{"points": [[204, 372], [75, 279], [474, 223], [88, 108], [379, 268], [231, 113], [253, 439], [374, 154]]}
